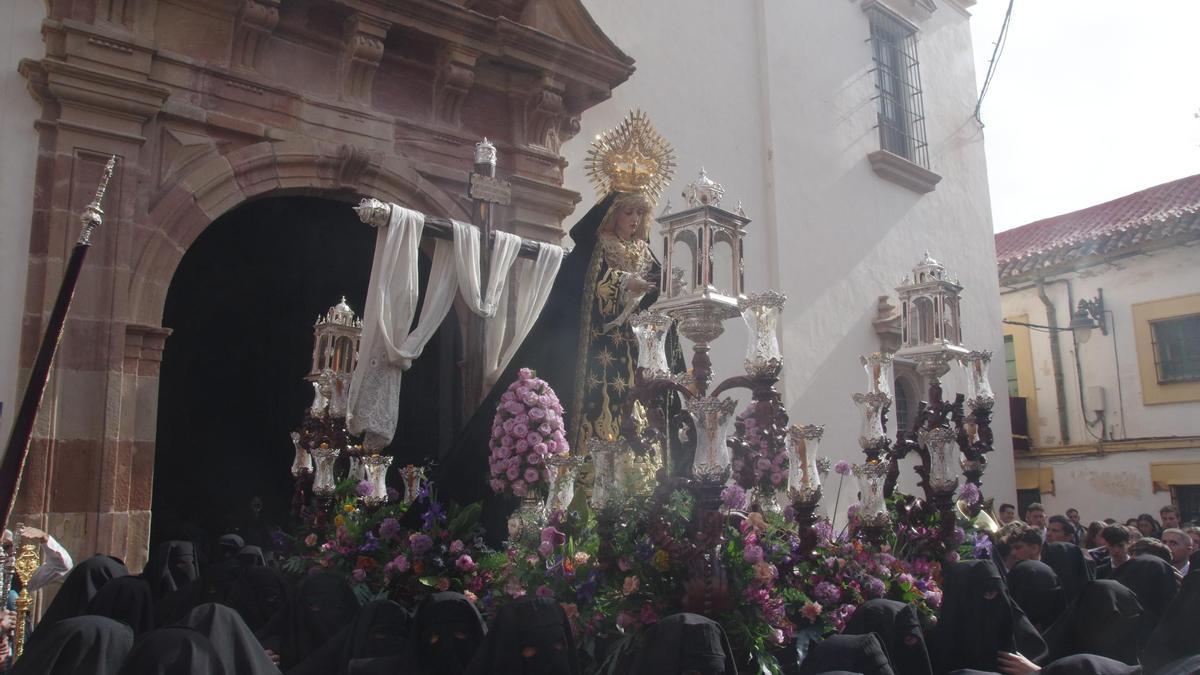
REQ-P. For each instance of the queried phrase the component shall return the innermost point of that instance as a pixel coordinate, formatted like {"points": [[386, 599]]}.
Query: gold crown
{"points": [[631, 158]]}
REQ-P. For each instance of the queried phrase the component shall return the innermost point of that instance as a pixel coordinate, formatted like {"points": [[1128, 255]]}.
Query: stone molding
{"points": [[361, 53], [902, 172], [455, 76]]}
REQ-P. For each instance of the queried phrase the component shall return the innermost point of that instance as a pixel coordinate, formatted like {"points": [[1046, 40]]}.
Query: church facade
{"points": [[845, 129]]}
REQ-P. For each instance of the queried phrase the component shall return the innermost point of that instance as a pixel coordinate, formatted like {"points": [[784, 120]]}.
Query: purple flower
{"points": [[842, 467], [536, 414], [399, 564], [734, 497], [363, 488], [934, 598], [465, 563], [434, 515], [852, 510], [545, 548], [827, 593], [969, 493], [498, 485], [874, 588], [752, 554], [554, 536], [520, 430], [393, 494], [360, 575], [389, 528], [532, 475], [420, 543]]}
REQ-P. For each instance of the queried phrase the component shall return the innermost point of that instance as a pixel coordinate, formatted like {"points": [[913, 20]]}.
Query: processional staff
{"points": [[18, 440]]}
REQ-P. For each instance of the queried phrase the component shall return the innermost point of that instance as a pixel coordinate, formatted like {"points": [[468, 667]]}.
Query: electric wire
{"points": [[997, 50]]}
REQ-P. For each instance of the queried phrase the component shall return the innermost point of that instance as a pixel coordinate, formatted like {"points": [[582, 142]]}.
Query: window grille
{"points": [[1176, 348], [898, 87]]}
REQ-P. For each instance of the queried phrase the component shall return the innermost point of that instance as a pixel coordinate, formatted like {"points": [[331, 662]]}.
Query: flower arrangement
{"points": [[526, 431]]}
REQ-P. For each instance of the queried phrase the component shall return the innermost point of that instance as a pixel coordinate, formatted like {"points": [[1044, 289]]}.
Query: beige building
{"points": [[1111, 414]]}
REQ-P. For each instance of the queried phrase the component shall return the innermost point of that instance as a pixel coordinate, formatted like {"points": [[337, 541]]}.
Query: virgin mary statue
{"points": [[582, 343]]}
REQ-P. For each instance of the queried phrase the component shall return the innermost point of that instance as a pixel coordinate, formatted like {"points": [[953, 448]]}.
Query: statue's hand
{"points": [[637, 285]]}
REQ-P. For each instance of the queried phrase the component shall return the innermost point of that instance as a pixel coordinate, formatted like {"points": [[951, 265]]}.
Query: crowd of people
{"points": [[1057, 598]]}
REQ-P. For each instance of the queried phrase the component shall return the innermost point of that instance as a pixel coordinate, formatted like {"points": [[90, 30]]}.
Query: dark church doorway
{"points": [[241, 307]]}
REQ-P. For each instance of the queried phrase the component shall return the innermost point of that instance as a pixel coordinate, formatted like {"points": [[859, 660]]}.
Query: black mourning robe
{"points": [[685, 642], [235, 645], [89, 644], [529, 636], [563, 355], [1105, 620], [1037, 591], [978, 618], [128, 600], [898, 627], [175, 650], [81, 585], [1177, 636], [851, 653]]}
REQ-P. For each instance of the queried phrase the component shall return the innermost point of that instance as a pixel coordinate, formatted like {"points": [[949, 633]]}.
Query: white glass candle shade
{"points": [[562, 472], [872, 509], [375, 468], [941, 445], [870, 406], [804, 479], [604, 489], [650, 328], [761, 313], [411, 478], [979, 389], [881, 373], [324, 481], [714, 423], [303, 461]]}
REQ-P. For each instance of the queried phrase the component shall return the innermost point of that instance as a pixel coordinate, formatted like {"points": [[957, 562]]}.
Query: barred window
{"points": [[898, 86], [1177, 348]]}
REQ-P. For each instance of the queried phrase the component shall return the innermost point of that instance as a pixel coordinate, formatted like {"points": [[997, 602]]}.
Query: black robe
{"points": [[685, 642], [95, 645], [529, 636], [851, 653], [175, 650], [1154, 580], [1070, 563], [898, 627], [1037, 591], [128, 600], [320, 606], [1177, 635], [236, 647], [81, 585], [555, 350], [258, 594], [1105, 620], [978, 618]]}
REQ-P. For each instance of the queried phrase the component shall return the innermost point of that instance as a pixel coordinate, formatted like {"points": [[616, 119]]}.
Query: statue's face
{"points": [[629, 217]]}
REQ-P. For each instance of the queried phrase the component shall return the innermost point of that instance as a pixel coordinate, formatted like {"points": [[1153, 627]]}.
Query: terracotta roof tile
{"points": [[1152, 213]]}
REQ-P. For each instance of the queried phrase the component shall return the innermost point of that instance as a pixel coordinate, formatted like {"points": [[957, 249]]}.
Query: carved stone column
{"points": [[361, 53]]}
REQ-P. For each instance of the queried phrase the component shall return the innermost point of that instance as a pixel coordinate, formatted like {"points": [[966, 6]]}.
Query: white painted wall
{"points": [[774, 98], [20, 37], [1116, 485]]}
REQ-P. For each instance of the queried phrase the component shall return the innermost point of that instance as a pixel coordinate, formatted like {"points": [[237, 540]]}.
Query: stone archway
{"points": [[210, 104]]}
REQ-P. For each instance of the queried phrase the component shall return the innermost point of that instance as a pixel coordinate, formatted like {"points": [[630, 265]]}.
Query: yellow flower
{"points": [[339, 521], [348, 508], [661, 561]]}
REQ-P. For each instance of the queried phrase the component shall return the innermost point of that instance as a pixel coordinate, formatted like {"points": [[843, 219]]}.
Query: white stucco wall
{"points": [[20, 37], [1118, 484], [774, 98]]}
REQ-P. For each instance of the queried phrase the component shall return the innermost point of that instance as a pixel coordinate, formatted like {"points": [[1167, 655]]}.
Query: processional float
{"points": [[701, 289]]}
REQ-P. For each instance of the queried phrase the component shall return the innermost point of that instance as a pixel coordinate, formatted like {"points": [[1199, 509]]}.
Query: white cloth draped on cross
{"points": [[388, 346]]}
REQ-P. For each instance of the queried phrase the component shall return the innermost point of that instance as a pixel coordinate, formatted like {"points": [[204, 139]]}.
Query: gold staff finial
{"points": [[28, 560]]}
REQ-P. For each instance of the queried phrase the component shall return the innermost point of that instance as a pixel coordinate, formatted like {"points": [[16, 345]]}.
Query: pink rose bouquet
{"points": [[526, 431]]}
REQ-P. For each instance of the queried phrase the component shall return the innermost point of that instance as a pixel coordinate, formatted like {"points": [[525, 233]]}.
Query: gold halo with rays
{"points": [[633, 157]]}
